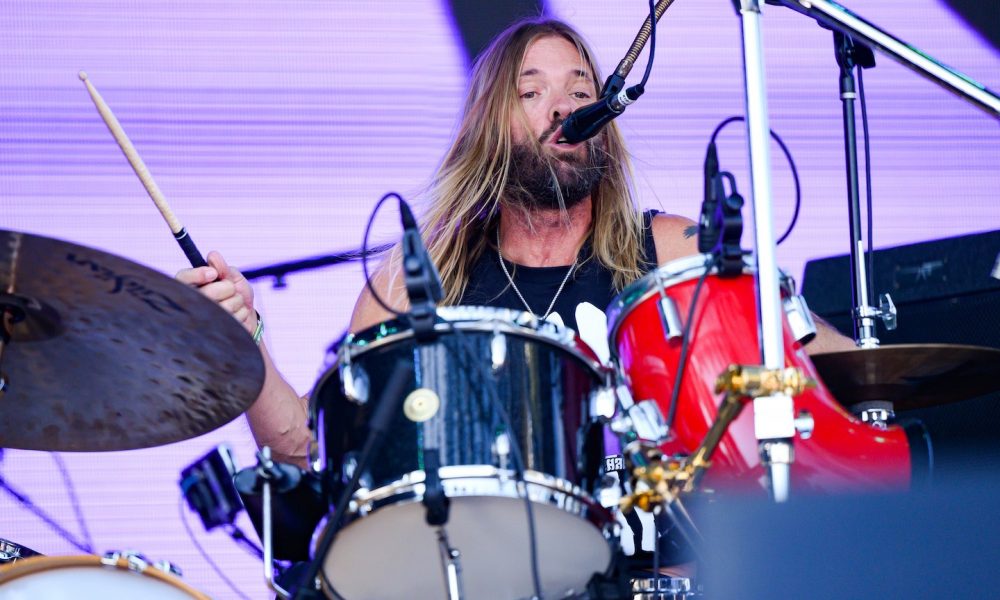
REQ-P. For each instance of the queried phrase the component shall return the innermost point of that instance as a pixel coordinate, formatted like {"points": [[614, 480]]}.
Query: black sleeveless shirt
{"points": [[592, 282]]}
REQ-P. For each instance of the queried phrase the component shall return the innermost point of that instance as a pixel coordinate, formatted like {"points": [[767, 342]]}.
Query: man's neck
{"points": [[544, 237]]}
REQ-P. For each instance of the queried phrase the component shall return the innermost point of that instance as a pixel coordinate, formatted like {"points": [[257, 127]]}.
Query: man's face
{"points": [[554, 81]]}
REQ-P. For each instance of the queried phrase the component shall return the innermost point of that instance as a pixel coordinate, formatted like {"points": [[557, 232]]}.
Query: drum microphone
{"points": [[423, 284], [709, 222], [587, 121]]}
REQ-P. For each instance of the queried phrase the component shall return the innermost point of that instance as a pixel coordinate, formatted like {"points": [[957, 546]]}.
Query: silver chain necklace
{"points": [[503, 266]]}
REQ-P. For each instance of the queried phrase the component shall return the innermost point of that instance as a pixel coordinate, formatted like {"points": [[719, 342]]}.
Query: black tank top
{"points": [[592, 282]]}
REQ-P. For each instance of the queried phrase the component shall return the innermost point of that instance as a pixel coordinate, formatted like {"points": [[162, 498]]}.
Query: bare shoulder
{"points": [[675, 237], [390, 288]]}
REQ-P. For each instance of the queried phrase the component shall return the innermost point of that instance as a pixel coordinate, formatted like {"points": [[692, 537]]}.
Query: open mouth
{"points": [[558, 139]]}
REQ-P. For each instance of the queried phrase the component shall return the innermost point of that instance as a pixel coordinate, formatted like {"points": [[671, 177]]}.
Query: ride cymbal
{"points": [[105, 354], [910, 375]]}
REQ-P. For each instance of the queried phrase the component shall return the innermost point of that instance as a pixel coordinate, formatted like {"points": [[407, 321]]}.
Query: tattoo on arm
{"points": [[690, 231]]}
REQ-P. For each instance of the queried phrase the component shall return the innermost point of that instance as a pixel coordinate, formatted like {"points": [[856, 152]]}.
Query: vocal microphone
{"points": [[587, 121], [423, 284]]}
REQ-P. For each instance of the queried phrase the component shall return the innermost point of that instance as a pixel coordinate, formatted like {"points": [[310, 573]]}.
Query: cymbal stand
{"points": [[851, 55], [774, 415], [266, 471]]}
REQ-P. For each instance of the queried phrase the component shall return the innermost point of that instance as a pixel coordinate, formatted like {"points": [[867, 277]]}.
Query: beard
{"points": [[537, 180]]}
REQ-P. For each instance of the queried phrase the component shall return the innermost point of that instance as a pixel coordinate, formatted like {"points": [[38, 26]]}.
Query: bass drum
{"points": [[841, 454], [482, 363], [73, 577]]}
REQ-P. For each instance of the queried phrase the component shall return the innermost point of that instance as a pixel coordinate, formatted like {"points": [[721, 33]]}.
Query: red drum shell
{"points": [[842, 454]]}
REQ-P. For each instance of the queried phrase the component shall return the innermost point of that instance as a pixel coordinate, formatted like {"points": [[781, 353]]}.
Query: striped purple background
{"points": [[273, 127]]}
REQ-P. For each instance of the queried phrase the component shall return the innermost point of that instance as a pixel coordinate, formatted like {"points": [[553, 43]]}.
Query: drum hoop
{"points": [[476, 318], [480, 318], [587, 507], [39, 564]]}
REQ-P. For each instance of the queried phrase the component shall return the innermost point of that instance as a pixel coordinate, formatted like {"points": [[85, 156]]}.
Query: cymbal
{"points": [[910, 375], [112, 355]]}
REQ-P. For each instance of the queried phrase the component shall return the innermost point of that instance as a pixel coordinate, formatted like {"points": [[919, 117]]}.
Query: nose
{"points": [[561, 107]]}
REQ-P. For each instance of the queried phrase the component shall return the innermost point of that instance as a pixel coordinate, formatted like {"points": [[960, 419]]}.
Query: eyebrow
{"points": [[578, 72]]}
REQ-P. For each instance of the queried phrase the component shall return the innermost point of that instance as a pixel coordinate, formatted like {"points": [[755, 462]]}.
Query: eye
{"points": [[528, 95], [582, 95]]}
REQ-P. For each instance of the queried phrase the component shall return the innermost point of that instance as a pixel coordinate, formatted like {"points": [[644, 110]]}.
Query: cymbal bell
{"points": [[910, 375], [105, 354]]}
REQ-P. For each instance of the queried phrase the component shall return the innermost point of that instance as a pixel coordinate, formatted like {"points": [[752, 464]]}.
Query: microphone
{"points": [[709, 224], [587, 121], [423, 283]]}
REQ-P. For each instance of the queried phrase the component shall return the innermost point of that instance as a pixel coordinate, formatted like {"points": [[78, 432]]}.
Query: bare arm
{"points": [[278, 417], [388, 282]]}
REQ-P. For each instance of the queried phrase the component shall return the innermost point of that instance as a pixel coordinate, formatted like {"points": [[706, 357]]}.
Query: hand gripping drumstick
{"points": [[180, 234]]}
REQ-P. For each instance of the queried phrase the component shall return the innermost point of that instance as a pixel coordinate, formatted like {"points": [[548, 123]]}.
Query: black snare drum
{"points": [[481, 360]]}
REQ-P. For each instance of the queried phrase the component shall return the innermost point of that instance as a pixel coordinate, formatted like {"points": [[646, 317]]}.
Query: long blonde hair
{"points": [[467, 190]]}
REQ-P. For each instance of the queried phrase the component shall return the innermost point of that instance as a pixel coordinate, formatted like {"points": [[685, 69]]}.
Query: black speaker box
{"points": [[945, 291]]}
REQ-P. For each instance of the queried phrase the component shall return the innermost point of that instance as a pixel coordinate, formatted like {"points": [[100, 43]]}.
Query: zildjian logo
{"points": [[133, 287]]}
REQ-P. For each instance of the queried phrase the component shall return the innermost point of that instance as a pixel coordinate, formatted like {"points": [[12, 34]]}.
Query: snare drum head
{"points": [[74, 577]]}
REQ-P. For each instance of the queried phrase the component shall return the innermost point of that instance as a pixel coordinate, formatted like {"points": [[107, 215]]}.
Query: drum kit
{"points": [[498, 474], [480, 453]]}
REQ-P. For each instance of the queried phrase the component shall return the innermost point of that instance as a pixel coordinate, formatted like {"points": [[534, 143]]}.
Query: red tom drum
{"points": [[841, 454]]}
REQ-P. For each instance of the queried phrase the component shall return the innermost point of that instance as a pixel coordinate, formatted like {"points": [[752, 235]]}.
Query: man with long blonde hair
{"points": [[518, 218]]}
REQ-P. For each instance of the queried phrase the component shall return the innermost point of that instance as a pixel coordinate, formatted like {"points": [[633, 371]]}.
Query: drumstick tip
{"points": [[82, 75]]}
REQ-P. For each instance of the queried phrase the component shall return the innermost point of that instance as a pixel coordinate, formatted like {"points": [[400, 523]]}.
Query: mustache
{"points": [[549, 131]]}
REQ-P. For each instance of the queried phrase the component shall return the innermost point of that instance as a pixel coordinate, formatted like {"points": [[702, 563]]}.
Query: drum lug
{"points": [[501, 450], [805, 424], [800, 320], [354, 381], [643, 418], [498, 351], [670, 318], [603, 403], [168, 567]]}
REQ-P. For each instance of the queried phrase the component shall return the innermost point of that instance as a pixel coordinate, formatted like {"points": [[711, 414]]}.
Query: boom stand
{"points": [[774, 415], [850, 55]]}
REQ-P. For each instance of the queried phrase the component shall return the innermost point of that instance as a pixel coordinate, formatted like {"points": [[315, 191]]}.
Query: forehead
{"points": [[554, 55]]}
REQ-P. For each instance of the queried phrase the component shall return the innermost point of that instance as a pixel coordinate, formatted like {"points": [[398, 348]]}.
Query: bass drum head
{"points": [[492, 539], [74, 577]]}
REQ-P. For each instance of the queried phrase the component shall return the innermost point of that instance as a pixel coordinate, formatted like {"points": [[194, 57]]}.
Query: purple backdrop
{"points": [[273, 127]]}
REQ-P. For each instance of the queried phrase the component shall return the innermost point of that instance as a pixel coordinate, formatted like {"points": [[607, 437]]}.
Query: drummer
{"points": [[517, 218]]}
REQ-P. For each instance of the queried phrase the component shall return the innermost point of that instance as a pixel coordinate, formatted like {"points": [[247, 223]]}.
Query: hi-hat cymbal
{"points": [[910, 375], [111, 355]]}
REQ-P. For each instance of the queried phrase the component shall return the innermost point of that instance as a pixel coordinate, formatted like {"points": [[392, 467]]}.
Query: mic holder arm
{"points": [[616, 81], [836, 17]]}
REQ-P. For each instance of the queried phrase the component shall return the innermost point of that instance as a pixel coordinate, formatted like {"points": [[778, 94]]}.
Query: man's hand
{"points": [[225, 286]]}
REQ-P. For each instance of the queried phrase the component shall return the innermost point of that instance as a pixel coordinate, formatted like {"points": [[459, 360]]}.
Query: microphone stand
{"points": [[774, 415], [849, 54], [834, 16]]}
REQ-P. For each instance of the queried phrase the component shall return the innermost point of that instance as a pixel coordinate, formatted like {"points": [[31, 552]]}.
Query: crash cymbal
{"points": [[111, 355], [910, 375]]}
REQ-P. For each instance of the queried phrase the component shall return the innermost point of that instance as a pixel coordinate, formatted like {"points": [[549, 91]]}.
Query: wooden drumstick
{"points": [[180, 234]]}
